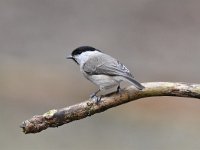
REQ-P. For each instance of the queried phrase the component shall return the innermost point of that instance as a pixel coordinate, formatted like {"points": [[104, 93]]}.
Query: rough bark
{"points": [[55, 118]]}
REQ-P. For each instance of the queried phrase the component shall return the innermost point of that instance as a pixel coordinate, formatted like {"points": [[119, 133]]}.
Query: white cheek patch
{"points": [[83, 57]]}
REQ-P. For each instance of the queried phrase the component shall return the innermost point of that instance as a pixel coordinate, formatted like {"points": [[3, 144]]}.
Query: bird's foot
{"points": [[96, 98]]}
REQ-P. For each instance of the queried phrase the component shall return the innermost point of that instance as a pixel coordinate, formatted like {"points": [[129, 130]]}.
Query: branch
{"points": [[55, 118]]}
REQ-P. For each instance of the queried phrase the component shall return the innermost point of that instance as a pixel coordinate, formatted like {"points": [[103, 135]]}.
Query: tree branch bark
{"points": [[55, 118]]}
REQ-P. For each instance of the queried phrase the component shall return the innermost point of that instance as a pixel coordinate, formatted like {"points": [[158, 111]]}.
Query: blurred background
{"points": [[157, 40]]}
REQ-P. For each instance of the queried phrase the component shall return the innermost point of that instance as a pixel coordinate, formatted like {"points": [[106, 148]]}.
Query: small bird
{"points": [[102, 69]]}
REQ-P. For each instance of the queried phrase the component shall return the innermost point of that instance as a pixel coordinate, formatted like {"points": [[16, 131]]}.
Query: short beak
{"points": [[69, 57]]}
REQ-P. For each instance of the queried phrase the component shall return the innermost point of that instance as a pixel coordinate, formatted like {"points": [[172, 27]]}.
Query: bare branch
{"points": [[55, 118]]}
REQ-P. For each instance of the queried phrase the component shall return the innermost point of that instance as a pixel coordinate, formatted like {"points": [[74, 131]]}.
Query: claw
{"points": [[97, 99], [94, 96]]}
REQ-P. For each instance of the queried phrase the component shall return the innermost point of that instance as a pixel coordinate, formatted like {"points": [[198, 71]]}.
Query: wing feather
{"points": [[105, 64]]}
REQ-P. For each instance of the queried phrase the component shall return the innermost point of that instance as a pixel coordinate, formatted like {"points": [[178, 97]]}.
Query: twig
{"points": [[55, 118]]}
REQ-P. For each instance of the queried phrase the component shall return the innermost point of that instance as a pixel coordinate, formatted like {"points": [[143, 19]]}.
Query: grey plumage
{"points": [[102, 69], [104, 64]]}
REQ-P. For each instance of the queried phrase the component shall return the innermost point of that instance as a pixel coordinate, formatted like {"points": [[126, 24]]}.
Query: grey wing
{"points": [[105, 64]]}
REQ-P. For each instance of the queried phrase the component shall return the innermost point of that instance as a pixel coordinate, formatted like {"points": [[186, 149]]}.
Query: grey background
{"points": [[158, 40]]}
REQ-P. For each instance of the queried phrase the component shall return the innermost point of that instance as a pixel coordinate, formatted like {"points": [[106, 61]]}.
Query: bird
{"points": [[102, 69]]}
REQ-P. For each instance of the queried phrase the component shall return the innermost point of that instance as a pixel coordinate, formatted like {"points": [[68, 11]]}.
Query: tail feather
{"points": [[136, 83]]}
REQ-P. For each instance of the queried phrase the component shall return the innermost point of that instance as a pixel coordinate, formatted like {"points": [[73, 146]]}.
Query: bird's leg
{"points": [[118, 88], [94, 94], [97, 98]]}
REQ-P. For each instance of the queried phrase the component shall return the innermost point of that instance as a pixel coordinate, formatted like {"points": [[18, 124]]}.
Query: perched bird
{"points": [[102, 69]]}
